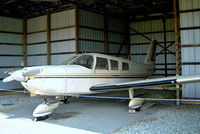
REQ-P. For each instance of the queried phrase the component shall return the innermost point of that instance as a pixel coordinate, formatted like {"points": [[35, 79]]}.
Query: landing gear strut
{"points": [[135, 105]]}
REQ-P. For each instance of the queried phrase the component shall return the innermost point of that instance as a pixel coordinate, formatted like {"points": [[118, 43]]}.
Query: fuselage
{"points": [[78, 74]]}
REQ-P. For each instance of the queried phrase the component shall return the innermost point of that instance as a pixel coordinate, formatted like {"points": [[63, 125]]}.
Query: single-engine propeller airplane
{"points": [[92, 73]]}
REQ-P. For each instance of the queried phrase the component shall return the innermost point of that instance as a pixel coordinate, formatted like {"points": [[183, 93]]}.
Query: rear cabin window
{"points": [[101, 64], [125, 66], [114, 64]]}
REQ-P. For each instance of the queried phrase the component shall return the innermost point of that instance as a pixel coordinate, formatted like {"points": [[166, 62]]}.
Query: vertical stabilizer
{"points": [[151, 54]]}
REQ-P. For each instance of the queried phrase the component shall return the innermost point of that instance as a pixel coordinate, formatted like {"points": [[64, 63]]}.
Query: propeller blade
{"points": [[22, 74], [10, 71], [18, 75], [8, 79], [31, 72]]}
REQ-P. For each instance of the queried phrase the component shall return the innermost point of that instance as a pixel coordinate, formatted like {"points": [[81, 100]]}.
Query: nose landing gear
{"points": [[42, 111]]}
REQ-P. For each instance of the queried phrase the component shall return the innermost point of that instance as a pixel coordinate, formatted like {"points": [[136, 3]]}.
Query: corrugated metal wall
{"points": [[11, 48], [62, 36], [190, 44], [154, 29], [116, 35], [91, 32], [36, 41]]}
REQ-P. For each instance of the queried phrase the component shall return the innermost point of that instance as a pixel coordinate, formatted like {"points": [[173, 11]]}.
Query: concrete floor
{"points": [[100, 116], [80, 116]]}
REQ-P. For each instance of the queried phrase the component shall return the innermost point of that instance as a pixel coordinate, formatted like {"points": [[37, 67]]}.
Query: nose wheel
{"points": [[42, 111]]}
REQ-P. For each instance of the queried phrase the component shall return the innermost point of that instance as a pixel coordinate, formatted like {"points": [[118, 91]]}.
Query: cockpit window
{"points": [[102, 64], [84, 60], [69, 60]]}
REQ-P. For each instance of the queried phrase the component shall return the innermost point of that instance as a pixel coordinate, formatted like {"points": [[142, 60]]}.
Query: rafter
{"points": [[122, 8]]}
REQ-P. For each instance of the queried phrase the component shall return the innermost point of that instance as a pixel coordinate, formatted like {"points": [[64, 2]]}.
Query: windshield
{"points": [[69, 60], [84, 60]]}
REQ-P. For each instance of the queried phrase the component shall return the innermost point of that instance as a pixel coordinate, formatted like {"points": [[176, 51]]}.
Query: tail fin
{"points": [[151, 54]]}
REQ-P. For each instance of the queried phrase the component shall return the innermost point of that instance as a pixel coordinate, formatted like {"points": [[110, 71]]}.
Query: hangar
{"points": [[47, 32]]}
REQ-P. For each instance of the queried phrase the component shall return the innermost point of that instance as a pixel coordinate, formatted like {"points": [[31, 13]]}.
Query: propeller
{"points": [[8, 79], [22, 74], [10, 71]]}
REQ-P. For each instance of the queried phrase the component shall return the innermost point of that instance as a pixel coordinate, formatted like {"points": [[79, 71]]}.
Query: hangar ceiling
{"points": [[134, 9]]}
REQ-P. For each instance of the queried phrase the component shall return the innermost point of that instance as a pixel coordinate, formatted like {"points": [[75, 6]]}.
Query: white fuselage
{"points": [[78, 79]]}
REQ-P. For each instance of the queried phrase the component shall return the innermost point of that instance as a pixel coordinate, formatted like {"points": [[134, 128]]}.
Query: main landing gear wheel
{"points": [[135, 110], [41, 118], [138, 109], [135, 105]]}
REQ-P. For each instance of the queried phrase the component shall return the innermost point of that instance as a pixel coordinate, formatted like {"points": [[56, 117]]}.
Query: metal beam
{"points": [[140, 33]]}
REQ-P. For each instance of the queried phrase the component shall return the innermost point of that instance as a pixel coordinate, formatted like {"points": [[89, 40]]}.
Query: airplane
{"points": [[92, 73]]}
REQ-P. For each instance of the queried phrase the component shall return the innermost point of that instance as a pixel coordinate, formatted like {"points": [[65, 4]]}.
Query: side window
{"points": [[114, 64], [125, 66], [101, 64]]}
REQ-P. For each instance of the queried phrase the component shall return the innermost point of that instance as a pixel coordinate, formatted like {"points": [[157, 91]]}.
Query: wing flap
{"points": [[147, 83]]}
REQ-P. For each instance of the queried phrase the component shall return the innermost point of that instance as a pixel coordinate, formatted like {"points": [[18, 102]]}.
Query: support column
{"points": [[25, 40], [128, 47], [165, 44], [48, 38], [106, 33], [176, 27], [76, 30]]}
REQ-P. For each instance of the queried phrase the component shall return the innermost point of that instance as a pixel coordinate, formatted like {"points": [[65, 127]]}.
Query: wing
{"points": [[147, 83]]}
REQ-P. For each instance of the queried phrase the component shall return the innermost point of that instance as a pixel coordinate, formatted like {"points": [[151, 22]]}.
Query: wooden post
{"points": [[176, 27], [25, 40], [48, 38], [127, 30], [106, 33], [165, 44], [76, 30]]}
